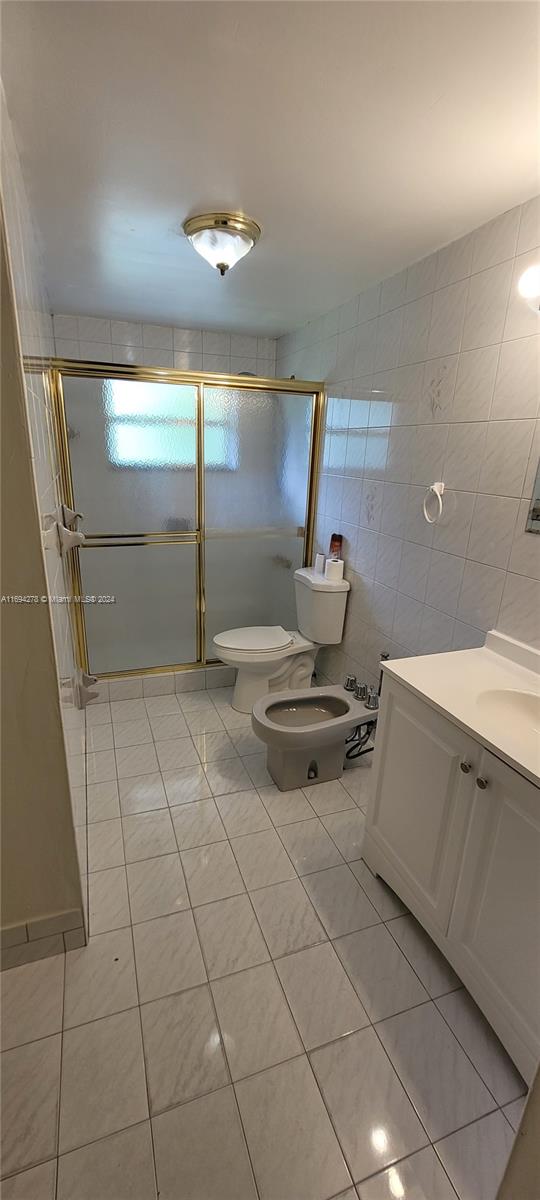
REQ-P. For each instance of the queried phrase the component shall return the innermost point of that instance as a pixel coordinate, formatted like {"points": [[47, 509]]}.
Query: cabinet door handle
{"points": [[481, 783], [465, 767]]}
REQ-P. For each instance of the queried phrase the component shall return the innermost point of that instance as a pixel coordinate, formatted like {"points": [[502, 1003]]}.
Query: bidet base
{"points": [[299, 768]]}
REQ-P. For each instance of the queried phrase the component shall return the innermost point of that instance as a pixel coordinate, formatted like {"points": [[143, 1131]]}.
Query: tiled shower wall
{"points": [[432, 375], [97, 339]]}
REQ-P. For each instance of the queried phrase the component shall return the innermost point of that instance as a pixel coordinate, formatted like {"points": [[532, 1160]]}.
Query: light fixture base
{"points": [[222, 238]]}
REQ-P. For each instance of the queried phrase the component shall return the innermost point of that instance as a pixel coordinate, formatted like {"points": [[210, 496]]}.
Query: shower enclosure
{"points": [[197, 493]]}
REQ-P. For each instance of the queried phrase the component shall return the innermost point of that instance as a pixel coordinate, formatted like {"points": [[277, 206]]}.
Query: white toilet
{"points": [[268, 658], [305, 733]]}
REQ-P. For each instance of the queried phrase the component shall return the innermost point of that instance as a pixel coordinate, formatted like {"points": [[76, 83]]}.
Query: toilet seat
{"points": [[254, 639]]}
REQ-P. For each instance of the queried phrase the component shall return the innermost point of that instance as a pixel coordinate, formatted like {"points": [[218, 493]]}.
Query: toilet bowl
{"points": [[305, 732], [269, 658]]}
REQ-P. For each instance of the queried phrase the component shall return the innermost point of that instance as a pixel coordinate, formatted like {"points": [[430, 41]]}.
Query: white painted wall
{"points": [[432, 374]]}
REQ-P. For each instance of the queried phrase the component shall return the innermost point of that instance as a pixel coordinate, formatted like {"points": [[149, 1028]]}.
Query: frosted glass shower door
{"points": [[133, 455], [256, 472]]}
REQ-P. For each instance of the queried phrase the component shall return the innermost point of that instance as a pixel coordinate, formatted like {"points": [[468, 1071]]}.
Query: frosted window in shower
{"points": [[132, 447]]}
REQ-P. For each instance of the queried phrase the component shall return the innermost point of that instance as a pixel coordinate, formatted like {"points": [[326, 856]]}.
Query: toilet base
{"points": [[300, 768], [255, 681]]}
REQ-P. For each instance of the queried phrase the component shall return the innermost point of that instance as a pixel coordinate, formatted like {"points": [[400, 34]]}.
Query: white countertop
{"points": [[493, 693]]}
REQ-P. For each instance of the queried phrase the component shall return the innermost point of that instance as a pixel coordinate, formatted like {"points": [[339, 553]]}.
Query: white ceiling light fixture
{"points": [[529, 287], [222, 238]]}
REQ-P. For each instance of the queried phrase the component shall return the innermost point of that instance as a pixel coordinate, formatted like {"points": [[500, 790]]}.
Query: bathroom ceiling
{"points": [[360, 135]]}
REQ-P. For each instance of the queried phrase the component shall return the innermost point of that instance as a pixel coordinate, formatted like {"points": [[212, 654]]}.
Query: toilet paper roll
{"points": [[319, 563], [334, 569]]}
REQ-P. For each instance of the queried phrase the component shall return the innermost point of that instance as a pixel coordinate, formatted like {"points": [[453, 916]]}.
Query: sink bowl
{"points": [[512, 706]]}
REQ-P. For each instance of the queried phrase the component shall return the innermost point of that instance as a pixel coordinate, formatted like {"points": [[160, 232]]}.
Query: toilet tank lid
{"points": [[317, 582], [254, 637]]}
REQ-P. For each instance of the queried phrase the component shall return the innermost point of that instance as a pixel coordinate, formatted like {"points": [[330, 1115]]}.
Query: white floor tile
{"points": [[99, 737], [156, 887], [108, 900], [293, 1148], [419, 1177], [328, 797], [103, 1080], [115, 1167], [201, 1152], [243, 812], [30, 1090], [177, 753], [287, 918], [213, 746], [39, 1183], [186, 785], [135, 760], [31, 998], [475, 1158], [127, 710], [483, 1046], [105, 845], [430, 965], [444, 1087], [169, 726], [262, 859], [161, 706], [374, 1119], [197, 824], [341, 903], [323, 1001], [147, 835], [385, 982], [227, 775], [255, 765], [203, 720], [211, 873], [230, 936], [184, 1056], [100, 978], [382, 897], [98, 714], [142, 793], [285, 807], [347, 830], [102, 801], [168, 956], [132, 733], [309, 846], [100, 766], [246, 742], [256, 1024]]}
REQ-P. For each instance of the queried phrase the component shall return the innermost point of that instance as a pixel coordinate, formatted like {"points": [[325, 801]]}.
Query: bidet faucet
{"points": [[372, 698], [361, 691]]}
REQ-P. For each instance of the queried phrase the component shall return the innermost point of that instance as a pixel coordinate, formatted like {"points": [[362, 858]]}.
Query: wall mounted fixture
{"points": [[529, 287], [222, 238]]}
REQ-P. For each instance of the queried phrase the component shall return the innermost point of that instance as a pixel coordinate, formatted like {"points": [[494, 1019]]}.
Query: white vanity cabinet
{"points": [[456, 833]]}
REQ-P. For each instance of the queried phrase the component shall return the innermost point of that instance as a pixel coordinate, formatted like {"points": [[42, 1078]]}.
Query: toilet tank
{"points": [[320, 606]]}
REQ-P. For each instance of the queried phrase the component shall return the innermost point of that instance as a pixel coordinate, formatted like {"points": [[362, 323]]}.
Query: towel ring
{"points": [[435, 489]]}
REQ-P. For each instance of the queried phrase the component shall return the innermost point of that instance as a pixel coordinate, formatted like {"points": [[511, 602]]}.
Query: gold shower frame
{"points": [[54, 369]]}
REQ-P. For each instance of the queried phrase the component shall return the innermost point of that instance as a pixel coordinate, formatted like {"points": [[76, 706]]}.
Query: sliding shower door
{"points": [[197, 502], [257, 451], [133, 452]]}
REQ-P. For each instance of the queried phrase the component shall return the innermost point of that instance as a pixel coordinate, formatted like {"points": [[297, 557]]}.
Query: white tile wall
{"points": [[433, 374], [97, 339]]}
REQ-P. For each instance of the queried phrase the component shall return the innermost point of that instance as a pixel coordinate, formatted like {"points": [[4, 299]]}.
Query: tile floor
{"points": [[256, 1015]]}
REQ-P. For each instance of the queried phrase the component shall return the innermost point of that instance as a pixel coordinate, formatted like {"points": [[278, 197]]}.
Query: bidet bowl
{"points": [[307, 717]]}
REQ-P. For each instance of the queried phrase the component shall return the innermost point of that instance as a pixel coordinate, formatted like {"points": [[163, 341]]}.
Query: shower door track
{"points": [[52, 371]]}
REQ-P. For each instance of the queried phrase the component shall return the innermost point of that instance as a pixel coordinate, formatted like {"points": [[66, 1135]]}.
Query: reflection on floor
{"points": [[256, 1014]]}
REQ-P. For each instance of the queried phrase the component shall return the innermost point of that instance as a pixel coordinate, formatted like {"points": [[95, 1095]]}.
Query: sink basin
{"points": [[513, 707]]}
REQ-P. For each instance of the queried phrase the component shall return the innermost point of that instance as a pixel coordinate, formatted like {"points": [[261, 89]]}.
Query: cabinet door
{"points": [[422, 799], [497, 912]]}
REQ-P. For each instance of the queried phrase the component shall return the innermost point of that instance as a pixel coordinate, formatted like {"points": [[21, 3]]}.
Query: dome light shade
{"points": [[529, 286], [222, 238]]}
